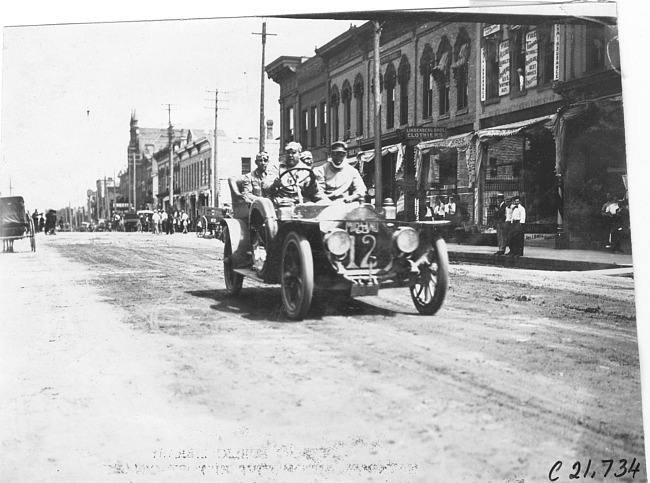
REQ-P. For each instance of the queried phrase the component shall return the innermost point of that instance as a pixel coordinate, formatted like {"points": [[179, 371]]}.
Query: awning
{"points": [[364, 157], [459, 141], [515, 127]]}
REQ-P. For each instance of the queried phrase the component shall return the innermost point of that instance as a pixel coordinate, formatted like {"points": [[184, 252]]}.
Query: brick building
{"points": [[473, 109]]}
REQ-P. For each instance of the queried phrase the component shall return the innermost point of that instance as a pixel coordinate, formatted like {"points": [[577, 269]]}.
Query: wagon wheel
{"points": [[32, 235], [430, 287], [233, 279], [202, 230], [296, 276]]}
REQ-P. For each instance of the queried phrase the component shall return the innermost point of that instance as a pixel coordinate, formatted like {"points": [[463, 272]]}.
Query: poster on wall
{"points": [[531, 59], [504, 68]]}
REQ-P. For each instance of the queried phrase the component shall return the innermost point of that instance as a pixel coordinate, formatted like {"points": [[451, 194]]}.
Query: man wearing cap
{"points": [[295, 185], [259, 181], [307, 158], [502, 225], [338, 179]]}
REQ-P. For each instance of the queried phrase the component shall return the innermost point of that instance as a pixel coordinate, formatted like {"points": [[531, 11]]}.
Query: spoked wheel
{"points": [[296, 276], [202, 230], [32, 235], [430, 288], [233, 279]]}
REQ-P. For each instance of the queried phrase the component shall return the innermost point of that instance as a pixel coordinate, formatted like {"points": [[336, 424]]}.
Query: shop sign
{"points": [[531, 59], [121, 205], [491, 29], [504, 68], [428, 132]]}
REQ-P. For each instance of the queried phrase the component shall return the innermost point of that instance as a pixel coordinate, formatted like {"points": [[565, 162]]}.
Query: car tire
{"points": [[296, 276], [234, 280], [430, 287]]}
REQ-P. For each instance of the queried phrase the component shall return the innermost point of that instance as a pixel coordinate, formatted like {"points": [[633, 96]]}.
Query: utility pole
{"points": [[377, 118], [170, 135], [215, 152], [262, 127]]}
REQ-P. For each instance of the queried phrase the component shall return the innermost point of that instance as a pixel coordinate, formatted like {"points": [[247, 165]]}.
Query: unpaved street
{"points": [[123, 360]]}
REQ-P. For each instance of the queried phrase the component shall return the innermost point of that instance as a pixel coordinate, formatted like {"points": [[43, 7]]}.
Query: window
{"points": [[442, 75], [323, 123], [245, 165], [304, 128], [491, 52], [596, 44], [346, 99], [460, 69], [404, 77], [517, 58], [288, 124], [426, 66], [313, 116], [334, 112], [545, 56], [389, 83], [358, 96]]}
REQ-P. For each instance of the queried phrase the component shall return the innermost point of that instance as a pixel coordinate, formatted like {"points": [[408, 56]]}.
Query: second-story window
{"points": [[358, 96], [596, 45], [334, 112], [426, 67], [460, 69], [517, 58], [442, 75], [323, 123], [546, 54], [313, 118], [346, 100], [491, 59], [304, 128], [389, 84], [288, 125], [404, 77]]}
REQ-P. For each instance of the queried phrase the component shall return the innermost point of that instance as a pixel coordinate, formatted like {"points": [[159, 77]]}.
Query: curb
{"points": [[530, 263]]}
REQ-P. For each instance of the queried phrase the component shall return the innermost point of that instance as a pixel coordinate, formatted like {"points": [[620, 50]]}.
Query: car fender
{"points": [[239, 241]]}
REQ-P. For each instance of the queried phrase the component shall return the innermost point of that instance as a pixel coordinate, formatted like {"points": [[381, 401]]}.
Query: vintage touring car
{"points": [[348, 247]]}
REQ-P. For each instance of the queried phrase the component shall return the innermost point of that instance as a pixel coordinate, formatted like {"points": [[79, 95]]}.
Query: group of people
{"points": [[444, 208], [46, 222], [166, 222], [295, 181], [510, 218]]}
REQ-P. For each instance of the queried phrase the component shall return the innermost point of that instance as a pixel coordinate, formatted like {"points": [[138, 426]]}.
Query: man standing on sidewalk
{"points": [[501, 224], [517, 230]]}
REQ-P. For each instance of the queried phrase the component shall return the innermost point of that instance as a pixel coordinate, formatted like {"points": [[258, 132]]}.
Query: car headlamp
{"points": [[338, 242], [406, 239]]}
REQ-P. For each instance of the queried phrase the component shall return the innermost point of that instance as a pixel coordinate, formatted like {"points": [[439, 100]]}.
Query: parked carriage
{"points": [[15, 223]]}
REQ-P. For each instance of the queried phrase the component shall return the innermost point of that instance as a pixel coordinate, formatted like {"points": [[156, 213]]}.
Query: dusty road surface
{"points": [[123, 360]]}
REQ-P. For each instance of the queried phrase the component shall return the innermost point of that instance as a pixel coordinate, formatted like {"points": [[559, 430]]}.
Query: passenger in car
{"points": [[259, 181], [339, 180]]}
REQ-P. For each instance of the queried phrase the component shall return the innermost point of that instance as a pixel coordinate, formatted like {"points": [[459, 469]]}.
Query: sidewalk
{"points": [[539, 258]]}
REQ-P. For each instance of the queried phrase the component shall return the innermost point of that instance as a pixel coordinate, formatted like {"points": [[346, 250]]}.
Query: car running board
{"points": [[249, 273]]}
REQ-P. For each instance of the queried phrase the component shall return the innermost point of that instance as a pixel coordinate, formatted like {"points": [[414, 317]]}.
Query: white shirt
{"points": [[519, 214]]}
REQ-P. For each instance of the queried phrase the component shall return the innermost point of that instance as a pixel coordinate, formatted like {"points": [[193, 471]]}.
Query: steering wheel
{"points": [[295, 179]]}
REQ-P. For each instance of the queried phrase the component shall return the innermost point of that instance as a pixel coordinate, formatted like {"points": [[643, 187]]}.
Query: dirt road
{"points": [[124, 360]]}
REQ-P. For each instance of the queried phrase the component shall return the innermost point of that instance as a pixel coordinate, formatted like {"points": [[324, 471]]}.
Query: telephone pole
{"points": [[262, 128], [377, 115], [170, 135]]}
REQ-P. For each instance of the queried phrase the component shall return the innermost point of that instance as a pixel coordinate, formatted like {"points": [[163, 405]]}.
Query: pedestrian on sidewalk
{"points": [[501, 215], [518, 219], [612, 211]]}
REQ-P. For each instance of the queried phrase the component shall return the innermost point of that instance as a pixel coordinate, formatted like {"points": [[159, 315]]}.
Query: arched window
{"points": [[442, 75], [460, 68], [334, 112], [389, 84], [404, 77], [426, 67], [346, 100], [358, 95]]}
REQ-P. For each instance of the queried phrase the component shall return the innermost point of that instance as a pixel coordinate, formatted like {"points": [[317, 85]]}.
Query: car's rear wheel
{"points": [[430, 287], [296, 276], [233, 279]]}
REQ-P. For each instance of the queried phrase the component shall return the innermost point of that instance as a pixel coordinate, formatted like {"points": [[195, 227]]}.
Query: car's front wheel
{"points": [[296, 276], [430, 287]]}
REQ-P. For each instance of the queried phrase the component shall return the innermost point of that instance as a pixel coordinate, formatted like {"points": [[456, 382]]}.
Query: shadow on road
{"points": [[266, 305]]}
